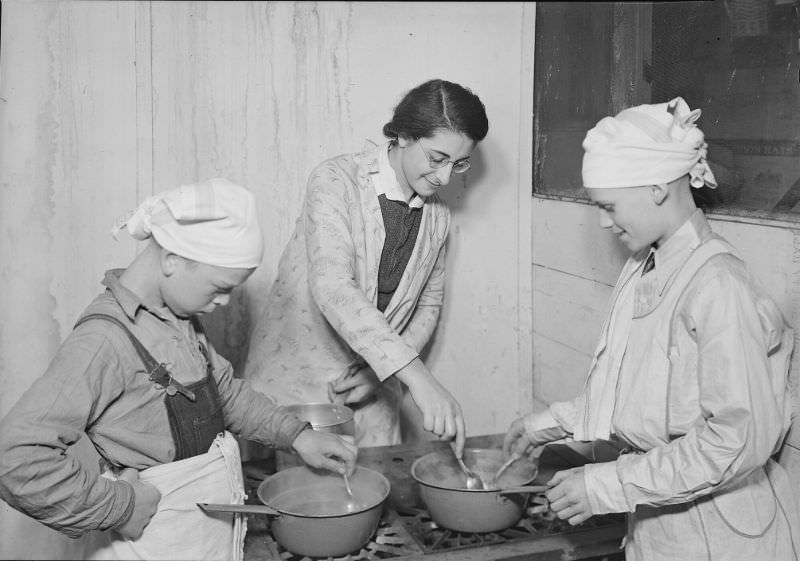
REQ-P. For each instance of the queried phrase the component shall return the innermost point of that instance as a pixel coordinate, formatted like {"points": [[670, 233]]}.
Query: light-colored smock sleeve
{"points": [[741, 405], [554, 423]]}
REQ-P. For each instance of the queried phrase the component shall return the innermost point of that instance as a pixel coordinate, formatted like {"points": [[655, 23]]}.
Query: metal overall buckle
{"points": [[164, 380]]}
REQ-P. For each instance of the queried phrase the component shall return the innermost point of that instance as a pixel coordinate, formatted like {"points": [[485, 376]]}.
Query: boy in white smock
{"points": [[690, 375]]}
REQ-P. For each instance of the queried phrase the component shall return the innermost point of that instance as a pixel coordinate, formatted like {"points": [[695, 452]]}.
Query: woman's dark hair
{"points": [[437, 105]]}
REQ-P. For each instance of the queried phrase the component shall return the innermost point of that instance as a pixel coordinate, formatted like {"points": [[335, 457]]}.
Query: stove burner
{"points": [[414, 533], [537, 522], [391, 541], [432, 537]]}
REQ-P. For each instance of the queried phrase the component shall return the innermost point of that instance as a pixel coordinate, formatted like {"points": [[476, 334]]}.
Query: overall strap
{"points": [[157, 371], [699, 257]]}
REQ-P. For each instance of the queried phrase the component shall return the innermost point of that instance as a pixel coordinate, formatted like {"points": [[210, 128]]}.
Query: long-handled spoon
{"points": [[492, 483], [473, 481], [353, 505], [347, 486]]}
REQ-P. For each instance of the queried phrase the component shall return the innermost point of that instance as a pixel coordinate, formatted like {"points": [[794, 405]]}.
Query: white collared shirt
{"points": [[386, 183]]}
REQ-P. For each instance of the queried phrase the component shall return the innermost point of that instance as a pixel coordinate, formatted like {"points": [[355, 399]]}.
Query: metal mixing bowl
{"points": [[325, 417]]}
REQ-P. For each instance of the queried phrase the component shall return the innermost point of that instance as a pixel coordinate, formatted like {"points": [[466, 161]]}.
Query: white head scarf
{"points": [[212, 222], [646, 145]]}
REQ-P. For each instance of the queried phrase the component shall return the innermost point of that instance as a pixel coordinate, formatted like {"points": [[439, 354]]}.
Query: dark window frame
{"points": [[596, 59]]}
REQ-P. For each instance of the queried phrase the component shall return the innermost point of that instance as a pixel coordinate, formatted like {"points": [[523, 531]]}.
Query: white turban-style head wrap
{"points": [[212, 222], [647, 145]]}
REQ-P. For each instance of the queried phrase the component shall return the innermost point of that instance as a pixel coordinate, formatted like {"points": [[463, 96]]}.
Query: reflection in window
{"points": [[738, 60]]}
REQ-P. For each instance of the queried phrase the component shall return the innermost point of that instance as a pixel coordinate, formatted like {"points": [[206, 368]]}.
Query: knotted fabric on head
{"points": [[647, 145], [212, 222]]}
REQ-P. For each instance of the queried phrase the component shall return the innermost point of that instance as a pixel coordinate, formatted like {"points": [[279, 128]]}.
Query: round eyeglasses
{"points": [[459, 166]]}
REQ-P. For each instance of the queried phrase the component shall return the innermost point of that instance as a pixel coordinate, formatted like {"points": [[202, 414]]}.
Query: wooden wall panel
{"points": [[769, 250], [569, 309], [567, 237], [559, 371], [94, 166], [68, 166]]}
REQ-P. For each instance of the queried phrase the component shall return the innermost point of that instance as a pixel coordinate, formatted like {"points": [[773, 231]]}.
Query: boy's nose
{"points": [[605, 219]]}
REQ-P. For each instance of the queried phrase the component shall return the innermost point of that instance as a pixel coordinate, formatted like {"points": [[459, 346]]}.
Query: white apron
{"points": [[179, 530]]}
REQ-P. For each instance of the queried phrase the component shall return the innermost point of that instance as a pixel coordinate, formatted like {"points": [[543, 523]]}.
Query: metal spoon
{"points": [[492, 483], [347, 486], [352, 505], [473, 481]]}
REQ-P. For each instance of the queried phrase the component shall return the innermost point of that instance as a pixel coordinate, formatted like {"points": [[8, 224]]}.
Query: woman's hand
{"points": [[357, 384], [440, 411], [568, 497], [145, 504], [326, 450]]}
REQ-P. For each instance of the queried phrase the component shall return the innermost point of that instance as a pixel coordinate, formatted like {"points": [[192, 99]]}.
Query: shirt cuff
{"points": [[535, 422], [604, 488], [125, 503], [389, 366], [542, 427], [286, 441]]}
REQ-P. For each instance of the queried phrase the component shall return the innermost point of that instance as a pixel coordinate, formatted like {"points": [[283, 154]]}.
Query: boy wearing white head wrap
{"points": [[141, 380], [646, 145], [212, 222], [690, 377]]}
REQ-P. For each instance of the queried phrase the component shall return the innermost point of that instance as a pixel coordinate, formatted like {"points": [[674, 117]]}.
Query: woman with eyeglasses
{"points": [[361, 283]]}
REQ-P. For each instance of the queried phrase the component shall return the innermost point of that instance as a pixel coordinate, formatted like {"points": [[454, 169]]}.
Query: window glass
{"points": [[737, 60]]}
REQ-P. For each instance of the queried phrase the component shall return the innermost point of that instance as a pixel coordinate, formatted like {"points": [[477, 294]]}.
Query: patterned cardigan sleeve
{"points": [[330, 203]]}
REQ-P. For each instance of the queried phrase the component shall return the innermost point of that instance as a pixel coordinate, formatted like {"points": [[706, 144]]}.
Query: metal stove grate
{"points": [[537, 522], [413, 533], [391, 541]]}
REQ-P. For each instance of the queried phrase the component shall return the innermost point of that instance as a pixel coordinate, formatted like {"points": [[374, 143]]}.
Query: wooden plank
{"points": [[67, 121], [144, 101], [768, 251], [93, 160], [569, 309], [567, 237], [559, 371]]}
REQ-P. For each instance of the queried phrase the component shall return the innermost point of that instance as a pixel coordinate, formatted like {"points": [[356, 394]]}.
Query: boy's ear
{"points": [[169, 262], [659, 193]]}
